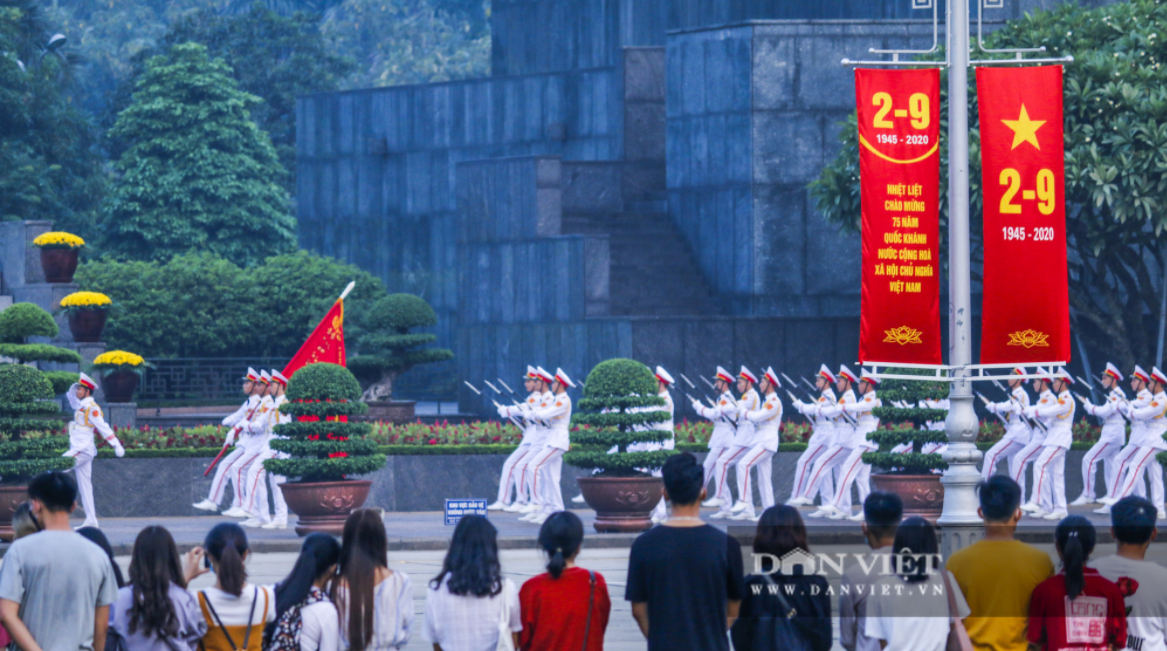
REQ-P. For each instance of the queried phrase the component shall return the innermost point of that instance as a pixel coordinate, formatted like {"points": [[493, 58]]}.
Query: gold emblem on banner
{"points": [[1029, 339], [902, 335]]}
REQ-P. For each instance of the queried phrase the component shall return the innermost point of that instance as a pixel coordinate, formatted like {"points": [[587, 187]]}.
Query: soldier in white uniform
{"points": [[251, 440], [767, 419], [664, 381], [1110, 442], [831, 460], [235, 421], [87, 421], [743, 441], [1153, 416], [542, 433], [1056, 411], [512, 470], [854, 470], [548, 464], [1032, 450], [1140, 380], [1017, 432], [821, 439], [257, 474], [723, 414]]}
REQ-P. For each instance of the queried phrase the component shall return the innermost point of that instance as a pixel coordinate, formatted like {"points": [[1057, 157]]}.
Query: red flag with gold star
{"points": [[1026, 313], [325, 344]]}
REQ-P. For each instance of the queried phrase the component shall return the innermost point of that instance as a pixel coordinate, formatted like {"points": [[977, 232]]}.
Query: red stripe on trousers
{"points": [[840, 487], [814, 482], [721, 487], [1090, 469], [798, 486], [1138, 469], [1021, 466]]}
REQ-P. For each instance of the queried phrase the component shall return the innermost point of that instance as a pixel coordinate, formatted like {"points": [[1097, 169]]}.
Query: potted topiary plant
{"points": [[59, 251], [25, 451], [23, 320], [120, 373], [614, 411], [325, 453], [388, 349], [87, 312], [909, 474]]}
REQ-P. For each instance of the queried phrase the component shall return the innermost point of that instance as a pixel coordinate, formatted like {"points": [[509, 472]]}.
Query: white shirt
{"points": [[392, 613], [1016, 429], [913, 616], [468, 623], [87, 419], [1146, 620], [1113, 423], [321, 627], [745, 428], [824, 428], [1057, 413], [855, 589], [767, 419], [1154, 423], [723, 417]]}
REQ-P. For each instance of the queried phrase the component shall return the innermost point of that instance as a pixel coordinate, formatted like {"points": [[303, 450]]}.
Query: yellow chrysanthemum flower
{"points": [[119, 358], [86, 299], [59, 238]]}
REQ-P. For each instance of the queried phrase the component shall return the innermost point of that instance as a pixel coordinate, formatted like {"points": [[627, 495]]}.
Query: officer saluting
{"points": [[87, 420]]}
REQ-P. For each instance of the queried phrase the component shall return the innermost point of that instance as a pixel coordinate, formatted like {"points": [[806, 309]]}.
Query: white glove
{"points": [[696, 405], [118, 449], [230, 437], [502, 412]]}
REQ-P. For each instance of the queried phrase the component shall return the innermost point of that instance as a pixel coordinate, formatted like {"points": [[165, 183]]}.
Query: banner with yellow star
{"points": [[899, 177], [1025, 316]]}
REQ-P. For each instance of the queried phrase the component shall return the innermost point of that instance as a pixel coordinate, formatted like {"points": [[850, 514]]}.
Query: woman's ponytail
{"points": [[227, 543], [560, 536], [1075, 537]]}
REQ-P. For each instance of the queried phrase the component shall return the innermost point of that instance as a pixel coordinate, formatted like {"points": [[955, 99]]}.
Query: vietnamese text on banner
{"points": [[1025, 315], [899, 175]]}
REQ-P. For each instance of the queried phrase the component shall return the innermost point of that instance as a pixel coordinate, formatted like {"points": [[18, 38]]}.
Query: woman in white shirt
{"points": [[236, 612], [908, 611], [375, 602], [469, 602], [306, 619]]}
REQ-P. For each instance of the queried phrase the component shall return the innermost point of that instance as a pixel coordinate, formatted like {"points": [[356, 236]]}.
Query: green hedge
{"points": [[324, 409]]}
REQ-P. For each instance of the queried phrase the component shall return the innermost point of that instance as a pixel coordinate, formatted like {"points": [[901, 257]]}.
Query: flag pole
{"points": [[347, 289]]}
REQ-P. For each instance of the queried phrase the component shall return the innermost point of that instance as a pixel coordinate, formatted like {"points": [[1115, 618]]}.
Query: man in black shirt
{"points": [[685, 577]]}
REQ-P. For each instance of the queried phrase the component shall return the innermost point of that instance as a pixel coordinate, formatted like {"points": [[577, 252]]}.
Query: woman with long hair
{"points": [[568, 606], [306, 619], [469, 601], [235, 611], [155, 612], [909, 610], [375, 603], [765, 621], [1103, 615]]}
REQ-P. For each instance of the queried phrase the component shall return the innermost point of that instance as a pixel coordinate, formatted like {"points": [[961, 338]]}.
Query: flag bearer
{"points": [[235, 421], [257, 474]]}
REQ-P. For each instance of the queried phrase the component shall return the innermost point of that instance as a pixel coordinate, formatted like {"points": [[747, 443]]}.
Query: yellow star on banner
{"points": [[1024, 129]]}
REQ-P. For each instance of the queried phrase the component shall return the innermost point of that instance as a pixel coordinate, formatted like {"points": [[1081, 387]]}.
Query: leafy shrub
{"points": [[22, 320], [899, 425], [25, 393], [388, 348], [324, 450], [61, 380]]}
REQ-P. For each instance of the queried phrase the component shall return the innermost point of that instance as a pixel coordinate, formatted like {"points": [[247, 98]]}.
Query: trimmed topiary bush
{"points": [[25, 394], [608, 416], [23, 320], [324, 450], [388, 349], [907, 425]]}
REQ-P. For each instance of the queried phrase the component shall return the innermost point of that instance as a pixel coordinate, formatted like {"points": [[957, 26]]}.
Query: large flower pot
{"points": [[87, 325], [10, 498], [923, 495], [119, 386], [622, 504], [59, 265], [390, 411], [324, 506]]}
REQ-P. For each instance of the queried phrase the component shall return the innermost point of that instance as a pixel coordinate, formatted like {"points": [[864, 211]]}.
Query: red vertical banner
{"points": [[1026, 314], [899, 176]]}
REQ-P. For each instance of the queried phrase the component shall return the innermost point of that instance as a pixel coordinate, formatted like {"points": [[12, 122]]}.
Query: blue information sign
{"points": [[455, 509]]}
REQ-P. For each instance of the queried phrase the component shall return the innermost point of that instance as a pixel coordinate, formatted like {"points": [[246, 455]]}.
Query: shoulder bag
{"points": [[226, 633], [591, 597], [958, 639]]}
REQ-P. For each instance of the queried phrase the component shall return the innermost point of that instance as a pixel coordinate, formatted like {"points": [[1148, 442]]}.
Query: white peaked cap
{"points": [[1158, 376], [252, 375], [264, 377], [724, 375], [1064, 375], [1044, 375], [746, 374], [663, 376], [1141, 374], [563, 378], [532, 374], [544, 375], [848, 374], [826, 374], [86, 381], [1113, 371], [770, 375], [279, 377], [870, 377]]}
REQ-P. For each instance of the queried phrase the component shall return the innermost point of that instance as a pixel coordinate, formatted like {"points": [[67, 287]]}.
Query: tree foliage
{"points": [[1115, 106], [25, 391], [619, 401], [200, 305], [196, 173], [908, 425], [388, 348]]}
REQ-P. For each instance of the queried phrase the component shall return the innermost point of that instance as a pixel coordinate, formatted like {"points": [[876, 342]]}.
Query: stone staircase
{"points": [[653, 271]]}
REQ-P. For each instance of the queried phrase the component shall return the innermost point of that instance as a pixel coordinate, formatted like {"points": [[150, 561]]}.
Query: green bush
{"points": [[22, 320], [618, 386], [323, 450], [388, 349], [61, 380], [907, 425], [25, 391]]}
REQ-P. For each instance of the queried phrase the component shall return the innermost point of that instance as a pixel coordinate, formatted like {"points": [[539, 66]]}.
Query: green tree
{"points": [[407, 42], [389, 349], [612, 413], [25, 395], [196, 173], [1115, 106], [910, 422]]}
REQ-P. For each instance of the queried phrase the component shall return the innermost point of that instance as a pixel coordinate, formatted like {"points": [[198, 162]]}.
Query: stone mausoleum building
{"points": [[630, 181]]}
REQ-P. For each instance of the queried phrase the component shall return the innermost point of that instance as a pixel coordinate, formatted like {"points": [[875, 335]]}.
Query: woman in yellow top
{"points": [[236, 611]]}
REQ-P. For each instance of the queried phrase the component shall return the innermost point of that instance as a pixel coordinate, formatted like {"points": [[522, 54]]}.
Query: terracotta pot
{"points": [[86, 325], [622, 504], [389, 411], [923, 495], [10, 498], [59, 265], [119, 386], [324, 506]]}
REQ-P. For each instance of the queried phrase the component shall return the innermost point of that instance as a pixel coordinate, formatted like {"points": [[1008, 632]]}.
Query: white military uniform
{"points": [[87, 421], [723, 415], [831, 460], [1032, 450], [1109, 444], [1049, 471], [548, 463], [743, 441], [235, 421], [1017, 432], [1153, 416], [512, 469], [660, 512], [1126, 457], [252, 439], [539, 435], [853, 469], [256, 481], [766, 420], [821, 439]]}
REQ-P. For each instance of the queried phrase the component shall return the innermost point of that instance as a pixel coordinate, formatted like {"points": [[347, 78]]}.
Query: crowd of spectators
{"points": [[61, 590]]}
